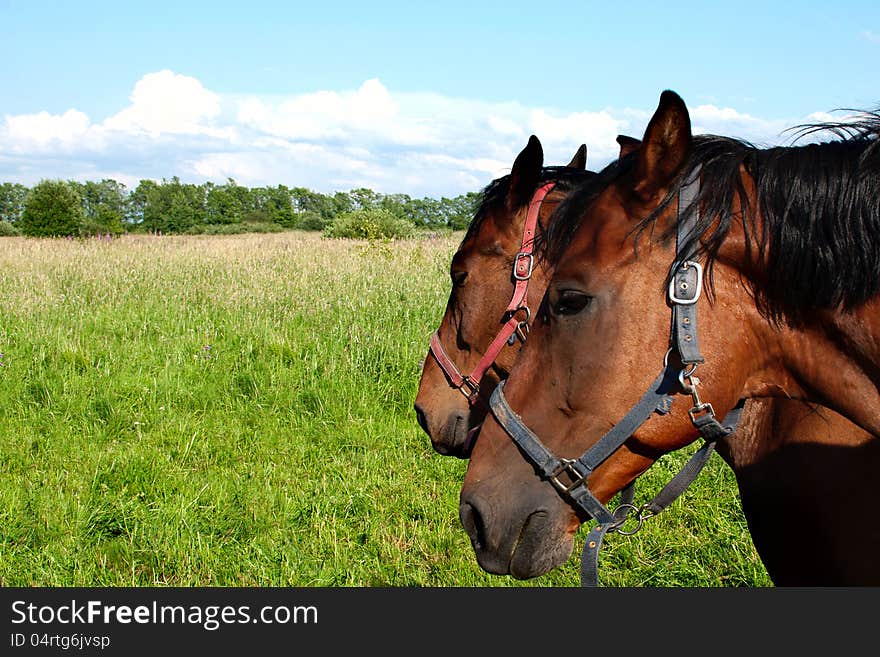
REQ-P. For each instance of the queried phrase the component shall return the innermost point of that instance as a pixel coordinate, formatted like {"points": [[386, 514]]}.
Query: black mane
{"points": [[495, 193], [814, 228]]}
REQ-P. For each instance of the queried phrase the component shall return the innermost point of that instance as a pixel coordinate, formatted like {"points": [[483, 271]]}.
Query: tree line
{"points": [[58, 208]]}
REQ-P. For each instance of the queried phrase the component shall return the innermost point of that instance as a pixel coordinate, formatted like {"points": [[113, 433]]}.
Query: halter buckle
{"points": [[473, 388], [569, 467], [530, 259], [673, 297]]}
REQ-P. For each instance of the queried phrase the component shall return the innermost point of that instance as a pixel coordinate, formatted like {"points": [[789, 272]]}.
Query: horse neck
{"points": [[830, 358], [834, 360]]}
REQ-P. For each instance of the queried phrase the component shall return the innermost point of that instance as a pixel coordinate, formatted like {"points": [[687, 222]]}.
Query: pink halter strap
{"points": [[523, 264]]}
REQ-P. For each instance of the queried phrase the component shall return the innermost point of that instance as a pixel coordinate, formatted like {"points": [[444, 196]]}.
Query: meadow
{"points": [[237, 411]]}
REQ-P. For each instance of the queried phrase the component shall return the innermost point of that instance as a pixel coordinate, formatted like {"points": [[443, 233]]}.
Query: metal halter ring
{"points": [[685, 374], [527, 310], [618, 526], [688, 374]]}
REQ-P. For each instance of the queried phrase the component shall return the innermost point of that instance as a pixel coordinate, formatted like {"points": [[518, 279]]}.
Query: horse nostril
{"points": [[422, 419], [472, 522]]}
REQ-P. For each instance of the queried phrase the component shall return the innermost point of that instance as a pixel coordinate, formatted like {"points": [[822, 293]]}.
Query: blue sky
{"points": [[428, 99]]}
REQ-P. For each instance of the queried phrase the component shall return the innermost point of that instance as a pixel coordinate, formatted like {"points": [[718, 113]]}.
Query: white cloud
{"points": [[422, 144], [42, 131], [168, 103], [596, 129], [710, 119], [331, 115], [505, 126], [275, 163]]}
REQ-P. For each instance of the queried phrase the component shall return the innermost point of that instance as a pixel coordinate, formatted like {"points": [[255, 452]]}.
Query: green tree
{"points": [[104, 206], [136, 207], [226, 204], [52, 208], [459, 211], [314, 211], [425, 212], [187, 205], [276, 203], [364, 199], [12, 197], [171, 207], [157, 207], [342, 203], [395, 204]]}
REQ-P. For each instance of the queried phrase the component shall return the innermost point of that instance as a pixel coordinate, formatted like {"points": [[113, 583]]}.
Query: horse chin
{"points": [[457, 436], [540, 548]]}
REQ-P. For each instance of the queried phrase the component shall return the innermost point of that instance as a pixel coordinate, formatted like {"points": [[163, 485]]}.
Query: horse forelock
{"points": [[566, 220], [492, 199]]}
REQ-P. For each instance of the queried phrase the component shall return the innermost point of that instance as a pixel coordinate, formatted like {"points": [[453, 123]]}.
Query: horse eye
{"points": [[458, 278], [571, 302]]}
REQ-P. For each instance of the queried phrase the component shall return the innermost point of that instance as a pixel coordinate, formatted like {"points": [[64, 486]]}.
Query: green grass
{"points": [[237, 411]]}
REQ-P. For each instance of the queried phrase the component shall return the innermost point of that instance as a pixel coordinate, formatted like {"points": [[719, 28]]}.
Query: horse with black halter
{"points": [[606, 293]]}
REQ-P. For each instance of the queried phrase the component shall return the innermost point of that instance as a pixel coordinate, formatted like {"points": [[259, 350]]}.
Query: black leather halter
{"points": [[569, 476]]}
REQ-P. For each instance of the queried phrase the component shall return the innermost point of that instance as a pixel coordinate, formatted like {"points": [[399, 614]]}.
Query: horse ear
{"points": [[627, 144], [579, 161], [665, 146], [525, 174]]}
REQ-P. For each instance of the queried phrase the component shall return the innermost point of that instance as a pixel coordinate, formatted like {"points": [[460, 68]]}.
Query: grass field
{"points": [[237, 411]]}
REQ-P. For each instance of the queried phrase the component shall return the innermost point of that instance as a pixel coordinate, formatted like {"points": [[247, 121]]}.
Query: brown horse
{"points": [[481, 330], [802, 470]]}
